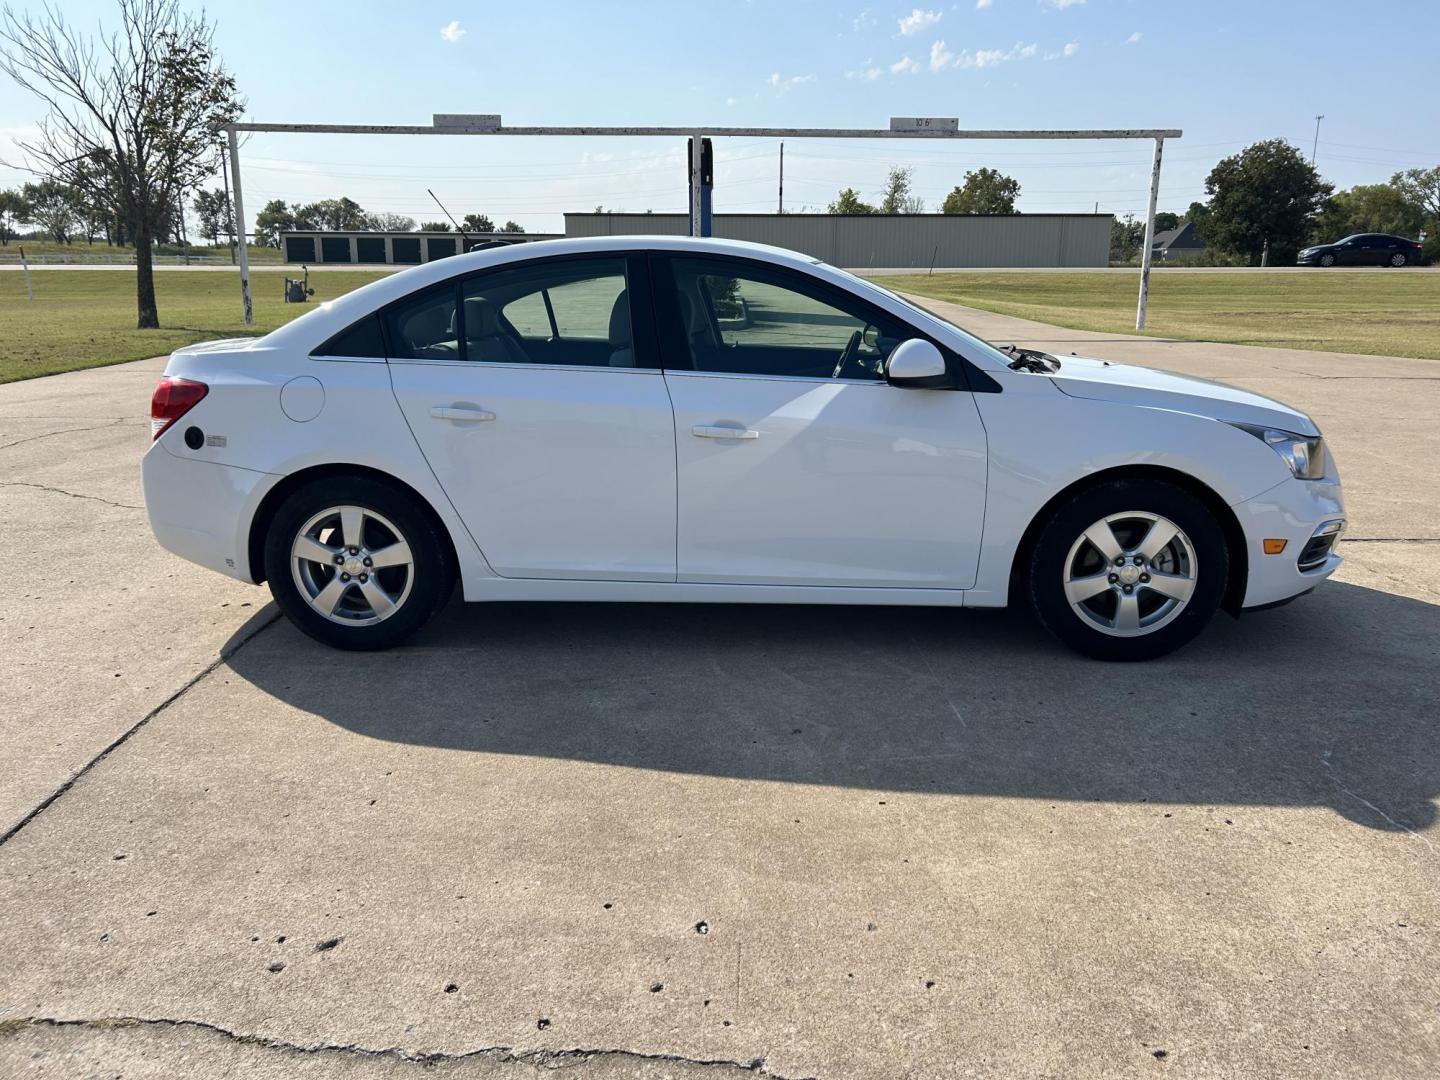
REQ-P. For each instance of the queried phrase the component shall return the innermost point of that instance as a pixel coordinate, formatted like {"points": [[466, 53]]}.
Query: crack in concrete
{"points": [[72, 494], [499, 1054], [64, 431], [125, 736]]}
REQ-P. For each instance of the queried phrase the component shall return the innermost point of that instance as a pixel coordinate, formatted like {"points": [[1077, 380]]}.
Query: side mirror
{"points": [[917, 364]]}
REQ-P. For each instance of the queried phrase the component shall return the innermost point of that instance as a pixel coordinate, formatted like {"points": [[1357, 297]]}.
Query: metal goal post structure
{"points": [[911, 127]]}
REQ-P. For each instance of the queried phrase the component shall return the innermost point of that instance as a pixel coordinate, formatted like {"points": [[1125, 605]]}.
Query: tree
{"points": [[13, 210], [333, 215], [434, 226], [898, 197], [985, 191], [1165, 220], [1420, 187], [1266, 193], [1126, 237], [216, 217], [477, 223], [513, 227], [849, 202], [1368, 208], [274, 219], [384, 221], [54, 207], [133, 120]]}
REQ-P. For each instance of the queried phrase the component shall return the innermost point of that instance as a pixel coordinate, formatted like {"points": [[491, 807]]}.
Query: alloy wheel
{"points": [[1129, 574], [353, 566]]}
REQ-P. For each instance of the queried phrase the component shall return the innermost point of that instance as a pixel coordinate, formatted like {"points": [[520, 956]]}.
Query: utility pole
{"points": [[229, 211], [782, 178], [1316, 145]]}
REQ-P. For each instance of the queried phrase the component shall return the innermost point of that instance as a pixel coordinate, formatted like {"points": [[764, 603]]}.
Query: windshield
{"points": [[980, 346]]}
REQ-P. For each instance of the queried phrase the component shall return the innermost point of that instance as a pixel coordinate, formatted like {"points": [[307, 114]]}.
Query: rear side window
{"points": [[424, 326], [362, 339]]}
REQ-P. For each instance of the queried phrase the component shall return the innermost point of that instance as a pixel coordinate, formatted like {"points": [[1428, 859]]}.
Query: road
{"points": [[666, 841]]}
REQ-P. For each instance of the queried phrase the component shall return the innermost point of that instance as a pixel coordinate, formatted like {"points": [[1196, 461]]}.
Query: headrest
{"points": [[620, 332]]}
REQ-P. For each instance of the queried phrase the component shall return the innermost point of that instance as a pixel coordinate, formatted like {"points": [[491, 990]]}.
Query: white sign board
{"points": [[469, 121], [924, 123]]}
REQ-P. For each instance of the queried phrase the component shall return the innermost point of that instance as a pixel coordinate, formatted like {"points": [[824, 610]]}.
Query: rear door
{"points": [[798, 464], [544, 416]]}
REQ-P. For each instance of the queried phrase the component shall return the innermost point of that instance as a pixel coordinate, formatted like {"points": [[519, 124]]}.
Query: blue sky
{"points": [[1228, 73]]}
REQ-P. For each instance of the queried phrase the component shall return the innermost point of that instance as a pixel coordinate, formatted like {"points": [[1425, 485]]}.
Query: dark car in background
{"points": [[1363, 249]]}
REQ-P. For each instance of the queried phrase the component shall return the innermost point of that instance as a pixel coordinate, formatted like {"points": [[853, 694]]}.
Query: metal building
{"points": [[378, 247], [892, 240]]}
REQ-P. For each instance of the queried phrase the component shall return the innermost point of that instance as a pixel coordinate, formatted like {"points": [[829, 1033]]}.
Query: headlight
{"points": [[1305, 454]]}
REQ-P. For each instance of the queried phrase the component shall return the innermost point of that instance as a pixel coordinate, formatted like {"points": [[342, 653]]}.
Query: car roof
{"points": [[318, 325]]}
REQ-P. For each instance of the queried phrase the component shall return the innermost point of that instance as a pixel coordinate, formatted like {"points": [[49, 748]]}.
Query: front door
{"points": [[798, 464], [525, 389]]}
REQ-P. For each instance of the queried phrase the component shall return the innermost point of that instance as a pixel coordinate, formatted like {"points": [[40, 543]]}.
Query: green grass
{"points": [[39, 252], [86, 318], [1390, 314]]}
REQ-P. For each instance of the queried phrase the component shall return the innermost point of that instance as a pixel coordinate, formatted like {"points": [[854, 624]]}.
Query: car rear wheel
{"points": [[1398, 259], [1128, 570], [1327, 259], [356, 563]]}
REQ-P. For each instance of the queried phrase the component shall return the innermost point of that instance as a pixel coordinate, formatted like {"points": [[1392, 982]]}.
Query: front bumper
{"points": [[201, 510], [1303, 513]]}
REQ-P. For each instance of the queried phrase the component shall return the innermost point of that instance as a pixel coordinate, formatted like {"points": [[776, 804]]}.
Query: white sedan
{"points": [[668, 419]]}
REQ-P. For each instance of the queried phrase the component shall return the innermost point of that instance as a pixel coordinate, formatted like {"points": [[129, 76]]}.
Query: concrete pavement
{"points": [[666, 841]]}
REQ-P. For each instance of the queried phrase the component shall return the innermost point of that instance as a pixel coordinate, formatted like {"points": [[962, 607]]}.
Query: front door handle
{"points": [[470, 413], [717, 431]]}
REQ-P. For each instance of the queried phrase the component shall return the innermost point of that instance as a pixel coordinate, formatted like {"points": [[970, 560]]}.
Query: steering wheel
{"points": [[847, 357]]}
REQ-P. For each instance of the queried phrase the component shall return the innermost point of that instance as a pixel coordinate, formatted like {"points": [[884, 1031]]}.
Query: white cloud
{"points": [[1069, 50], [864, 21], [918, 20], [782, 85], [1061, 5], [984, 58], [981, 5], [452, 33], [866, 72], [904, 66], [939, 56], [1134, 38], [729, 101]]}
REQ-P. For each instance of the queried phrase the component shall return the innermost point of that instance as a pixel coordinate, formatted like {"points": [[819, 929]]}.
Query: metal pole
{"points": [[26, 267], [1316, 144], [1149, 237], [229, 210], [697, 156], [781, 208], [240, 227]]}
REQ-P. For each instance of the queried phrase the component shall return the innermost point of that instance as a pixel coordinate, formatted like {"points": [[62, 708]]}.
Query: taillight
{"points": [[172, 399]]}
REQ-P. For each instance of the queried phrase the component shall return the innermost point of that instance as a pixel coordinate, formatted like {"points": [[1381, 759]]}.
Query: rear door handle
{"points": [[470, 413], [716, 431]]}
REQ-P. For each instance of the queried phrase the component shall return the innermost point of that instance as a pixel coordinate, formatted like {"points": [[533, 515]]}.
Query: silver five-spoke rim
{"points": [[352, 565], [1129, 574]]}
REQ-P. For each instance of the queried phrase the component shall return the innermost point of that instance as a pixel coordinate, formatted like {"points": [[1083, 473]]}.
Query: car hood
{"points": [[1101, 380]]}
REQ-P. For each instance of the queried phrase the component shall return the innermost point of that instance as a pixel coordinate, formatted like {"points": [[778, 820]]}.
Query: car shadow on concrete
{"points": [[1330, 701]]}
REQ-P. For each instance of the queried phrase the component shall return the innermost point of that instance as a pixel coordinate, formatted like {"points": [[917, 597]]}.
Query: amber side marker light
{"points": [[1274, 547]]}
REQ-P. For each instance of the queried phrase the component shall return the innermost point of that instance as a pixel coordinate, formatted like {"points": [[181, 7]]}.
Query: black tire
{"points": [[1046, 567], [430, 574], [1326, 260], [1398, 259]]}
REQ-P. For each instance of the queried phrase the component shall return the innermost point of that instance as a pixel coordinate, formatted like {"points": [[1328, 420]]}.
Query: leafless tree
{"points": [[134, 114]]}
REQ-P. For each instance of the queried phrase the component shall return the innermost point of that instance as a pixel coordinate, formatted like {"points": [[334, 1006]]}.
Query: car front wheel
{"points": [[356, 563], [1327, 260], [1128, 570]]}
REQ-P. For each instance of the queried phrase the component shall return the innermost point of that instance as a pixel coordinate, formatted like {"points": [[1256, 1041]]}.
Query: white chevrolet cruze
{"points": [[662, 419]]}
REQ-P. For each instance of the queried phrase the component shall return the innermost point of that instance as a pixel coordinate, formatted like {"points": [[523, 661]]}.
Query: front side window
{"points": [[748, 320]]}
